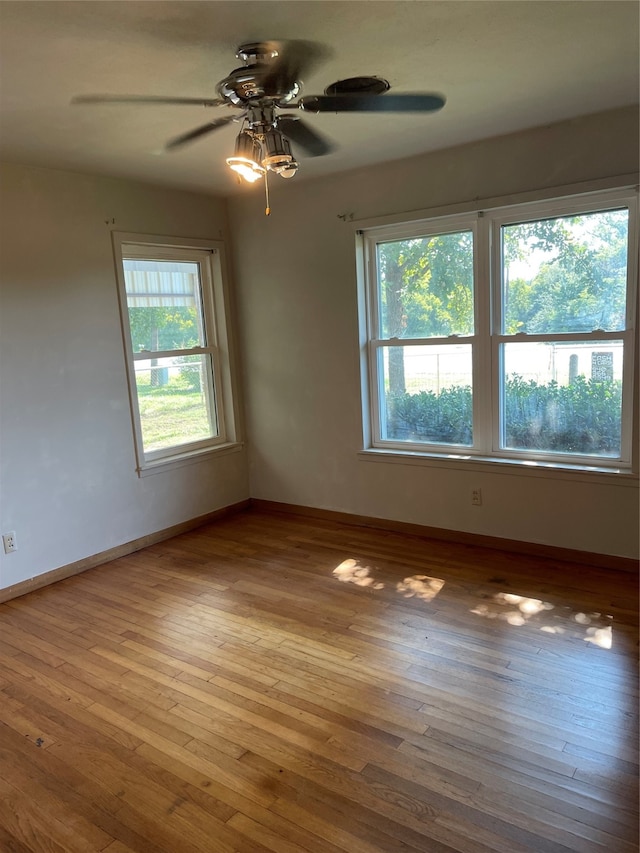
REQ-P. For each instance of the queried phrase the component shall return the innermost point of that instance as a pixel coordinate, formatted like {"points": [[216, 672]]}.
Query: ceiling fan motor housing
{"points": [[255, 80], [244, 85]]}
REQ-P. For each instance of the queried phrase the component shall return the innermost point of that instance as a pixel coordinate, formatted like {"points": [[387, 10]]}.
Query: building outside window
{"points": [[505, 334]]}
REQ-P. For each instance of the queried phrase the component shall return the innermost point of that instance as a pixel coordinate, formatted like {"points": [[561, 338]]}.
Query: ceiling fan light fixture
{"points": [[247, 169], [246, 159], [277, 156], [289, 170]]}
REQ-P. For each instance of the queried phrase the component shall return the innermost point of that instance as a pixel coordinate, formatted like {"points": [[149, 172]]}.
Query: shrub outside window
{"points": [[172, 311], [506, 334]]}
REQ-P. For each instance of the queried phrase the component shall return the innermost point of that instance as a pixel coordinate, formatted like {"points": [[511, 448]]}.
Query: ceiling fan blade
{"points": [[311, 142], [295, 58], [209, 127], [402, 103], [145, 99]]}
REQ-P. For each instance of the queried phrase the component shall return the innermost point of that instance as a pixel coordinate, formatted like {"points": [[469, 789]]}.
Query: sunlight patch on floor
{"points": [[420, 586], [602, 637], [515, 610], [519, 610], [350, 571], [414, 586], [527, 606]]}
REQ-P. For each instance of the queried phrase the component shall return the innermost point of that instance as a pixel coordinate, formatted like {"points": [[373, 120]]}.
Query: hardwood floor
{"points": [[285, 684]]}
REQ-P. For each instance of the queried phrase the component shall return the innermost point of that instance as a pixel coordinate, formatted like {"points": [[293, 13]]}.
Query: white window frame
{"points": [[209, 256], [488, 339]]}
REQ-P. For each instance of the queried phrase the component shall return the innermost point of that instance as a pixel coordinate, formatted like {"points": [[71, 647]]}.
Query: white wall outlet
{"points": [[9, 542], [476, 497]]}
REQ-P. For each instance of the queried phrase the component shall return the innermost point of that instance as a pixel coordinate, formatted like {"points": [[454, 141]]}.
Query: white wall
{"points": [[299, 329], [68, 484]]}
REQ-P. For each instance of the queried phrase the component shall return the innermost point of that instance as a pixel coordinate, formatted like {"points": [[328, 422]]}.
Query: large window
{"points": [[506, 333], [173, 317]]}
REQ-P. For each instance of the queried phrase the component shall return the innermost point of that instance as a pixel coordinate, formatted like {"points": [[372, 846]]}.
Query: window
{"points": [[173, 319], [506, 334]]}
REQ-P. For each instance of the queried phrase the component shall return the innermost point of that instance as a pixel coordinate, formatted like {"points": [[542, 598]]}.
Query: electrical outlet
{"points": [[476, 497], [9, 542]]}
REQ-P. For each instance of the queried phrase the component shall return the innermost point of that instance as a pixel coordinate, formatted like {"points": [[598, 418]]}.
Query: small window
{"points": [[172, 307], [506, 333]]}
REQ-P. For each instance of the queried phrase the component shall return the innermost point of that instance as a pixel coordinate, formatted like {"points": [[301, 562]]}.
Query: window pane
{"points": [[427, 394], [175, 399], [565, 275], [425, 286], [163, 300], [563, 398]]}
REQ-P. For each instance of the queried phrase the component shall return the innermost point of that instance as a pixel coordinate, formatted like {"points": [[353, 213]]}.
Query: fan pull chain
{"points": [[267, 210]]}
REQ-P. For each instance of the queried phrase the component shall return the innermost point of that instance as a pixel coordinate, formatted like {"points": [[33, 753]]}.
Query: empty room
{"points": [[319, 426]]}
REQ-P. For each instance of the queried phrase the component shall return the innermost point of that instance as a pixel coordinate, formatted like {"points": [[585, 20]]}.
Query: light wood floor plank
{"points": [[278, 684]]}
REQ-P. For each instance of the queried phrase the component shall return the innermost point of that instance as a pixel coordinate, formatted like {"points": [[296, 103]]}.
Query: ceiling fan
{"points": [[259, 91]]}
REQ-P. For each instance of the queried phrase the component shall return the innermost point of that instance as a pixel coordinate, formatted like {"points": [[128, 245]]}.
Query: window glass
{"points": [[426, 286], [563, 397], [175, 400], [163, 300], [567, 274], [427, 393]]}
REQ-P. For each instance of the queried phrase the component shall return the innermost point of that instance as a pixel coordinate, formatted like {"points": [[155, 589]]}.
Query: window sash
{"points": [[463, 349], [555, 208], [558, 456]]}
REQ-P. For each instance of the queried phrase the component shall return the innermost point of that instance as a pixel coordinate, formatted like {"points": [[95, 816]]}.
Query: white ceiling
{"points": [[503, 66]]}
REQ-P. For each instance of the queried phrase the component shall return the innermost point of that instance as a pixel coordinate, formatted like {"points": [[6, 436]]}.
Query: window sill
{"points": [[494, 465], [178, 461]]}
